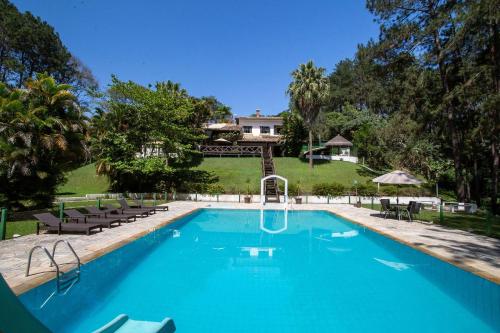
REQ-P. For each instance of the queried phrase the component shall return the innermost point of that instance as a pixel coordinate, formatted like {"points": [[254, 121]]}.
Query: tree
{"points": [[293, 133], [42, 135], [308, 93], [218, 111], [145, 137], [29, 46]]}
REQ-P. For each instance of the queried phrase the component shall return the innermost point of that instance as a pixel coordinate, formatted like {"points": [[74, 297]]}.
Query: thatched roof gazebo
{"points": [[338, 141], [339, 146]]}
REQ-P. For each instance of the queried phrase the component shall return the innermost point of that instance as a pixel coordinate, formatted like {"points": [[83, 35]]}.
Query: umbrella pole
{"points": [[397, 194]]}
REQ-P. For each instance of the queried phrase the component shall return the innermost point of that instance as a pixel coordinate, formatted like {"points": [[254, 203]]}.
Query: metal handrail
{"points": [[52, 261], [71, 249]]}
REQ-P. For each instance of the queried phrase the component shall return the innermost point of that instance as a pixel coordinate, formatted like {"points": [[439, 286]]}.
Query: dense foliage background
{"points": [[424, 97]]}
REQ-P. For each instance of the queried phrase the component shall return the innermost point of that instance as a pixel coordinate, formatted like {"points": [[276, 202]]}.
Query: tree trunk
{"points": [[310, 149], [477, 184], [495, 59], [494, 177], [450, 114]]}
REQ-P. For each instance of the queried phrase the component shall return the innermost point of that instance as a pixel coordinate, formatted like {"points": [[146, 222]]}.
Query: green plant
{"points": [[214, 189], [249, 191], [42, 135], [328, 189], [367, 190], [295, 189]]}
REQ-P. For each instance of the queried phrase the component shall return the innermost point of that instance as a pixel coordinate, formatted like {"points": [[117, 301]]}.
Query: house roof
{"points": [[223, 127], [263, 118], [338, 141], [260, 138]]}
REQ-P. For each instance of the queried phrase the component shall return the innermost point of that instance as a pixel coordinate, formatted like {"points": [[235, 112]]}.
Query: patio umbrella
{"points": [[222, 140], [397, 177]]}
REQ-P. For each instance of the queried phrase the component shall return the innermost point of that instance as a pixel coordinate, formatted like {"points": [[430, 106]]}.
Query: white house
{"points": [[260, 126]]}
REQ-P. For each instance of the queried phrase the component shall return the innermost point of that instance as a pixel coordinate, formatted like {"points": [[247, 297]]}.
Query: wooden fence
{"points": [[231, 150]]}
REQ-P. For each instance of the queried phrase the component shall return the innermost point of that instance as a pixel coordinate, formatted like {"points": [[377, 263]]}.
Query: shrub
{"points": [[388, 190], [214, 189], [294, 190], [367, 190], [328, 189], [407, 191]]}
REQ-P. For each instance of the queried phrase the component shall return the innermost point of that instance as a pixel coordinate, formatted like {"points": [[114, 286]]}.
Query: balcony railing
{"points": [[231, 150]]}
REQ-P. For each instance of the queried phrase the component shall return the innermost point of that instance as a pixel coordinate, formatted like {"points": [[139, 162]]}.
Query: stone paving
{"points": [[478, 254]]}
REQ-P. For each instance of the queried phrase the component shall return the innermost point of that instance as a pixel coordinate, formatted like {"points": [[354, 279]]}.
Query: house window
{"points": [[265, 130], [247, 129], [277, 129]]}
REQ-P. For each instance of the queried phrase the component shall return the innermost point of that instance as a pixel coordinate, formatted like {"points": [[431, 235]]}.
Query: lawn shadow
{"points": [[66, 193], [366, 173], [315, 162]]}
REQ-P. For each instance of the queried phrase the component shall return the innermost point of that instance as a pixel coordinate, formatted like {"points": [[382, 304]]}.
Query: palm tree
{"points": [[308, 93], [42, 134]]}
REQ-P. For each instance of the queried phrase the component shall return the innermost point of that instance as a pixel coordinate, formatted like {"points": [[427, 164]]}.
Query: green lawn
{"points": [[22, 228], [477, 223], [233, 172], [345, 173], [84, 181]]}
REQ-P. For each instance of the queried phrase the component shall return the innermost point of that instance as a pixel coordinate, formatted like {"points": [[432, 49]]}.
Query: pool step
{"points": [[68, 280], [62, 279]]}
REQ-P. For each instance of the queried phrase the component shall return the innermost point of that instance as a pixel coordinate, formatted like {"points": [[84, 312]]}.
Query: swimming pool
{"points": [[222, 270]]}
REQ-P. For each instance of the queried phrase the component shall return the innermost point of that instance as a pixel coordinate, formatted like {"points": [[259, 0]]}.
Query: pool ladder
{"points": [[61, 282]]}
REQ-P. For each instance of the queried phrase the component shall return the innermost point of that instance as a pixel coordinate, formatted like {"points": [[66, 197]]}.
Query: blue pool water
{"points": [[234, 271]]}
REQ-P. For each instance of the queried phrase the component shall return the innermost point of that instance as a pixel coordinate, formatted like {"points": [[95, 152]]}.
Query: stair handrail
{"points": [[275, 181], [71, 249], [52, 261]]}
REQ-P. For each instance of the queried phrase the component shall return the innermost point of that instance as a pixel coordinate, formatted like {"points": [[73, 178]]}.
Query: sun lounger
{"points": [[76, 216], [125, 207], [140, 205], [108, 213], [52, 223], [119, 210], [123, 324]]}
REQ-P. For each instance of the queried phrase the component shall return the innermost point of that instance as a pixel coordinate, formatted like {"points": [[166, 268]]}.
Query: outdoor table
{"points": [[399, 209]]}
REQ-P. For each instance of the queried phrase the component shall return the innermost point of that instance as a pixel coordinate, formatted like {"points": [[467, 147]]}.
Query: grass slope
{"points": [[233, 172], [345, 173], [84, 181]]}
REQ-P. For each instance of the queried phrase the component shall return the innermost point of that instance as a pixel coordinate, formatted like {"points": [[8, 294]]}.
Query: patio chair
{"points": [[140, 205], [109, 213], [123, 324], [386, 208], [76, 216], [52, 223], [412, 210], [126, 208]]}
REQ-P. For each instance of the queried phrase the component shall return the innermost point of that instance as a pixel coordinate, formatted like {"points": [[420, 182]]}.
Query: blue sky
{"points": [[240, 51]]}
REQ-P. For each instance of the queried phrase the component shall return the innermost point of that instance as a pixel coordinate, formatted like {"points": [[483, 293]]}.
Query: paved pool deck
{"points": [[477, 254]]}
